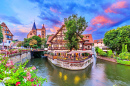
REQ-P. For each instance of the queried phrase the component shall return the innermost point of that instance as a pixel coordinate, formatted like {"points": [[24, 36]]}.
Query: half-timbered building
{"points": [[7, 35], [56, 42]]}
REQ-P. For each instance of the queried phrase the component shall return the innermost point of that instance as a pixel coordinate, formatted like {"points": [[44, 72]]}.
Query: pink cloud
{"points": [[117, 5], [89, 29], [56, 28], [54, 10], [100, 21], [52, 30]]}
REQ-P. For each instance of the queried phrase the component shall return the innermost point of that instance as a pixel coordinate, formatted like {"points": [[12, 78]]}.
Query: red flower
{"points": [[18, 83], [32, 79]]}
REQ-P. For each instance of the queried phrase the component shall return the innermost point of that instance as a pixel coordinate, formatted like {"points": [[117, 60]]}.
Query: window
{"points": [[30, 33], [7, 31], [9, 41], [87, 41], [7, 36], [10, 37], [5, 28]]}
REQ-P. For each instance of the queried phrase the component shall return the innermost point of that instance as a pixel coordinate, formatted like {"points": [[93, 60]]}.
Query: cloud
{"points": [[56, 28], [52, 30], [54, 10], [89, 29], [115, 6], [10, 19], [100, 21]]}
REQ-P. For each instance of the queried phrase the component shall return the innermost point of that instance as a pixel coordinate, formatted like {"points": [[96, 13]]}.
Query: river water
{"points": [[100, 73]]}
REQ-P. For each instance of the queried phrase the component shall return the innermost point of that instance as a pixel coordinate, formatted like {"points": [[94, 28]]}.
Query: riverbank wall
{"points": [[20, 58], [107, 59]]}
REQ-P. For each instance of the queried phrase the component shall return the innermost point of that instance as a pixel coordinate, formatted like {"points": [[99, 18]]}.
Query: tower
{"points": [[34, 29], [43, 32]]}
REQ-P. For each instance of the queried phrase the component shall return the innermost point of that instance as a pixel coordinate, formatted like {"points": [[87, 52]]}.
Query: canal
{"points": [[100, 73]]}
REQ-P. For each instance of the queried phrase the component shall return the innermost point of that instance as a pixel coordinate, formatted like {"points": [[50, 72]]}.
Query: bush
{"points": [[101, 52], [123, 62], [12, 75], [35, 46], [96, 49], [125, 56], [85, 54], [109, 53]]}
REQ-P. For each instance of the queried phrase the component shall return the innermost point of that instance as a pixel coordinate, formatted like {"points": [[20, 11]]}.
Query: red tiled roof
{"points": [[39, 35], [49, 38], [98, 41], [57, 32], [89, 38]]}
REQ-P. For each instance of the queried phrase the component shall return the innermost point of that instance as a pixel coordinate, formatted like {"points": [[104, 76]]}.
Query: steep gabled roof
{"points": [[57, 32], [43, 27], [49, 38], [39, 35], [89, 38], [34, 26], [98, 41], [60, 30]]}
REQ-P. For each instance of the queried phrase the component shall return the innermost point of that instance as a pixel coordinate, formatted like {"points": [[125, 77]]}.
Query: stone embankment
{"points": [[107, 59], [21, 57]]}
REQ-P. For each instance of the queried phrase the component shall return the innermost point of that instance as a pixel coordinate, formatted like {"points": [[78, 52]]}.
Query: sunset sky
{"points": [[101, 15]]}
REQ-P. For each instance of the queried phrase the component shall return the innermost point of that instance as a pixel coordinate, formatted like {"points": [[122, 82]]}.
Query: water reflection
{"points": [[100, 73]]}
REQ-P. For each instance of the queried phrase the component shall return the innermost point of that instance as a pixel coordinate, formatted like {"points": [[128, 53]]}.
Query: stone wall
{"points": [[21, 58]]}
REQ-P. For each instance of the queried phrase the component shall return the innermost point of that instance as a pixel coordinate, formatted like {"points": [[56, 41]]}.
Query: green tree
{"points": [[27, 41], [116, 37], [109, 53], [20, 44], [1, 35], [44, 41], [75, 26], [33, 42], [123, 48]]}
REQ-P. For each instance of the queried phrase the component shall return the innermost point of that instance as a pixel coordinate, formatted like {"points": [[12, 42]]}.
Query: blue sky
{"points": [[101, 15]]}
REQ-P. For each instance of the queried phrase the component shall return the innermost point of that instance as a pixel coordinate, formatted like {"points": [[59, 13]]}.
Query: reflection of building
{"points": [[7, 35], [56, 42], [99, 43], [34, 30]]}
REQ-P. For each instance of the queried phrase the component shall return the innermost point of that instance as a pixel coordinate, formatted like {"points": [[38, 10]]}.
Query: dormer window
{"points": [[5, 28], [87, 36], [87, 41]]}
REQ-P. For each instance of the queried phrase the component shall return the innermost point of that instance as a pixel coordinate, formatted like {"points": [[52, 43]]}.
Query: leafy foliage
{"points": [[12, 75], [116, 37], [123, 62], [96, 49], [33, 42], [125, 56], [85, 54], [44, 41], [109, 53], [27, 41], [20, 44], [1, 35], [75, 27]]}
